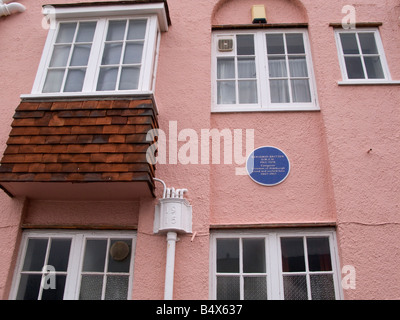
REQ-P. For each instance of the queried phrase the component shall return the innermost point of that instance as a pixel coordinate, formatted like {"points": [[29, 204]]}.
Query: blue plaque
{"points": [[268, 166]]}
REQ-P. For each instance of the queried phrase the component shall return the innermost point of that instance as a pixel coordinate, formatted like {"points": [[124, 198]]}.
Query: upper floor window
{"points": [[101, 51], [361, 56], [262, 70]]}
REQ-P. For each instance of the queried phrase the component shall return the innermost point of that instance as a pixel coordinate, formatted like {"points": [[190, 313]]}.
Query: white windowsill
{"points": [[258, 109], [73, 95], [367, 82]]}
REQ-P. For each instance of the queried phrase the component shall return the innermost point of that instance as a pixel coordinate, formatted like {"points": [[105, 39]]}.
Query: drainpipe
{"points": [[170, 266], [13, 7], [173, 214]]}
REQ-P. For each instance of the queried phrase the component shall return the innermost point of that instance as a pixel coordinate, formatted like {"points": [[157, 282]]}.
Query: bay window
{"points": [[101, 50]]}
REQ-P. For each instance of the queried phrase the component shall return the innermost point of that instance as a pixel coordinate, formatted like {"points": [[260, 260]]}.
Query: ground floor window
{"points": [[274, 264], [84, 265]]}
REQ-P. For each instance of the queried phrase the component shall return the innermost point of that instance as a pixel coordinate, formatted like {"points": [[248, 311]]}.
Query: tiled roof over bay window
{"points": [[91, 149]]}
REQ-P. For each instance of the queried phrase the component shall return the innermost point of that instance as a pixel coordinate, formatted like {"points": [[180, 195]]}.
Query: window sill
{"points": [[89, 95], [367, 83], [226, 109]]}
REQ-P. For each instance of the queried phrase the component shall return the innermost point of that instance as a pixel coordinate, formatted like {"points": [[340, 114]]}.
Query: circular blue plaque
{"points": [[268, 166]]}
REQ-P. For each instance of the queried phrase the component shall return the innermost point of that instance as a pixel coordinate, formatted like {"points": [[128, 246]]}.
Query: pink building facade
{"points": [[90, 89]]}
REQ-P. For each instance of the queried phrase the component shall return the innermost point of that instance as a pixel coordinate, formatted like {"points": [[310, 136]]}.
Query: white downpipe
{"points": [[170, 266], [182, 212], [8, 9]]}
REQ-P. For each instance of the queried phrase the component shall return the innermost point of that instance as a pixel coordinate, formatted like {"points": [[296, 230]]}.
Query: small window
{"points": [[263, 71], [274, 265], [361, 56], [75, 265]]}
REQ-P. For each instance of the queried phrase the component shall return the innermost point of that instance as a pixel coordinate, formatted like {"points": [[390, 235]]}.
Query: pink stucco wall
{"points": [[332, 180]]}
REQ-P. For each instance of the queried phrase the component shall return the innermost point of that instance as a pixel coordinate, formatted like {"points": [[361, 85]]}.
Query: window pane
{"points": [[246, 68], [253, 255], [59, 254], [367, 42], [120, 255], [60, 56], [86, 32], [277, 66], [225, 68], [116, 30], [107, 79], [294, 43], [95, 254], [35, 255], [279, 91], [226, 92], [66, 33], [247, 91], [228, 288], [374, 67], [255, 288], [74, 81], [349, 43], [354, 68], [117, 288], [112, 53], [137, 29], [275, 44], [80, 57], [29, 287], [300, 90], [298, 66], [319, 256], [245, 44], [91, 287], [292, 254], [322, 287], [56, 293], [228, 255], [133, 53], [129, 78], [295, 287], [53, 80]]}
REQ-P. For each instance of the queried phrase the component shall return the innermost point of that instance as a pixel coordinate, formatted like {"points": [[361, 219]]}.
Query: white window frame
{"points": [[274, 273], [345, 80], [263, 89], [76, 256], [157, 22]]}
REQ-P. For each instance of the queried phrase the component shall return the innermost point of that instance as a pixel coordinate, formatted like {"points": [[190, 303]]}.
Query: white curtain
{"points": [[280, 87]]}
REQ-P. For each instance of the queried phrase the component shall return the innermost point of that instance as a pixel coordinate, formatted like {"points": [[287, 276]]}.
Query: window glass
{"points": [[44, 270], [123, 50], [254, 255], [245, 44], [292, 254], [361, 56], [287, 51], [319, 256], [228, 255], [70, 57]]}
